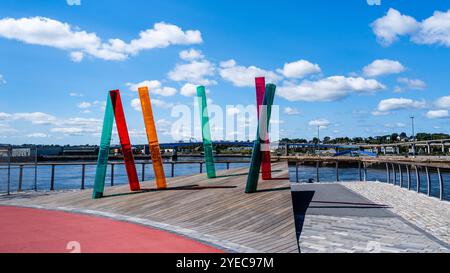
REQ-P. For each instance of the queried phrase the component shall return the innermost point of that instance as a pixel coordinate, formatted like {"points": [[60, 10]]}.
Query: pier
{"points": [[281, 217]]}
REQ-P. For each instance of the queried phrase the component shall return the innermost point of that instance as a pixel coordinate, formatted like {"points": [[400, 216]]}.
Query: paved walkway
{"points": [[215, 211], [429, 214], [26, 230], [332, 218]]}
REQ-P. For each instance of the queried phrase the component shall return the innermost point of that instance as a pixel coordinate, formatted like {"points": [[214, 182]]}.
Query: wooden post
{"points": [[401, 175], [201, 167], [228, 165], [428, 181], [317, 171], [83, 172], [441, 184], [112, 174], [337, 171], [418, 179], [52, 179], [143, 172], [296, 172], [173, 169], [20, 178]]}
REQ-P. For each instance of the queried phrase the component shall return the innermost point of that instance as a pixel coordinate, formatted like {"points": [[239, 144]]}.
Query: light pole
{"points": [[318, 134], [413, 135]]}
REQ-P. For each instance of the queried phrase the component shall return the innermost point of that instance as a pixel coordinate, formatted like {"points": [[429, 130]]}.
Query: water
{"points": [[328, 174], [69, 177]]}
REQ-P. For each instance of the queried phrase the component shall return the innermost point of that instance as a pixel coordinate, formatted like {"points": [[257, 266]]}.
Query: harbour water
{"points": [[69, 176]]}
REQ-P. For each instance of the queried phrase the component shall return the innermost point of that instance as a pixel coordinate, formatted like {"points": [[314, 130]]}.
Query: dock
{"points": [[282, 217], [213, 211]]}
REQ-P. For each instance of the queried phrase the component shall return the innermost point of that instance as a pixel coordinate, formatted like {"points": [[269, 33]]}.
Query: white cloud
{"points": [[35, 117], [196, 72], [2, 80], [291, 111], [435, 114], [163, 123], [399, 104], [299, 69], [242, 76], [191, 54], [323, 123], [161, 103], [49, 32], [4, 116], [74, 94], [395, 125], [232, 111], [37, 135], [76, 56], [136, 104], [414, 84], [328, 89], [383, 67], [84, 105], [189, 90], [393, 24], [155, 87], [443, 102], [433, 30]]}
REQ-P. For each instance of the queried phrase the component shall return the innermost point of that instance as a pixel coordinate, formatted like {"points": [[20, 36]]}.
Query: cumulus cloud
{"points": [[395, 125], [443, 102], [323, 123], [394, 104], [196, 72], [53, 33], [38, 135], [84, 105], [242, 76], [383, 67], [2, 80], [433, 30], [191, 54], [299, 69], [188, 90], [393, 24], [414, 84], [291, 111], [435, 114], [328, 89], [35, 118], [136, 104], [154, 87]]}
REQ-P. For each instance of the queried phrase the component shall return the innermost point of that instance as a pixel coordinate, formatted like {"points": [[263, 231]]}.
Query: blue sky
{"points": [[352, 68]]}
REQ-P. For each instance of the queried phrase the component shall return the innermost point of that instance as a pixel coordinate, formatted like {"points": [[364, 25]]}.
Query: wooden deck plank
{"points": [[262, 221]]}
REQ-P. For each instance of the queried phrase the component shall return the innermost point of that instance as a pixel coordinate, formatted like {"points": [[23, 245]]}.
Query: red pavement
{"points": [[25, 230]]}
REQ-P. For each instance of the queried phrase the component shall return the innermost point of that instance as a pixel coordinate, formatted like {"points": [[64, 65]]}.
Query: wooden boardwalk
{"points": [[215, 211]]}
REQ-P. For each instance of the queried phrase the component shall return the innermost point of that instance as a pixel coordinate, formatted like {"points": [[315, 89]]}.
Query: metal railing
{"points": [[111, 165], [392, 168]]}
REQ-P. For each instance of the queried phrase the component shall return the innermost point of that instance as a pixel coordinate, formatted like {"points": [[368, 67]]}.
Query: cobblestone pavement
{"points": [[332, 217], [427, 213], [324, 233]]}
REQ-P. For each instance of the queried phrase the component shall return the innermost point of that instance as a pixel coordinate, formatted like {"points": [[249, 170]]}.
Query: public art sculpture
{"points": [[114, 110], [261, 139], [266, 167], [206, 132], [152, 137]]}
